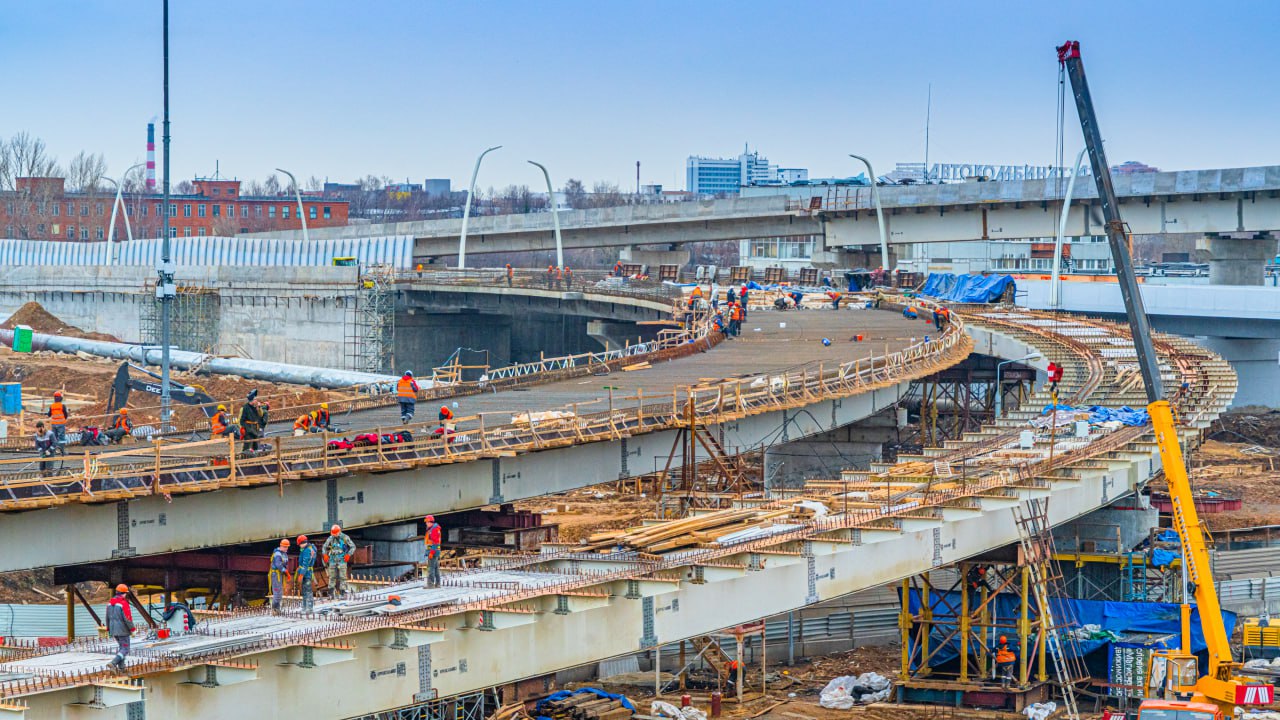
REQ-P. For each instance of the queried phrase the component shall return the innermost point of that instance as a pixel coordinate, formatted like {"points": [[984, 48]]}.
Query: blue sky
{"points": [[417, 89]]}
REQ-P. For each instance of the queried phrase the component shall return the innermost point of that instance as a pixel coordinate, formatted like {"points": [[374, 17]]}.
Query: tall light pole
{"points": [[555, 213], [166, 291], [466, 212], [1055, 282], [298, 194], [111, 231], [875, 197], [999, 389]]}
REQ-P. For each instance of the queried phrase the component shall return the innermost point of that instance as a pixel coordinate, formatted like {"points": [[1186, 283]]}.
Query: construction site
{"points": [[332, 479]]}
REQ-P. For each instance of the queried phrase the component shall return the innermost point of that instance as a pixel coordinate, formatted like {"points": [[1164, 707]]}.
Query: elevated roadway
{"points": [[1228, 200], [777, 382], [527, 616]]}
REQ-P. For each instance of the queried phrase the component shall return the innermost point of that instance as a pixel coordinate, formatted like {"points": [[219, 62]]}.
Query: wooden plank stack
{"points": [[694, 532], [586, 706]]}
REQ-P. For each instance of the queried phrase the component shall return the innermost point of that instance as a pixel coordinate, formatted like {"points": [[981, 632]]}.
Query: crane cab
{"points": [[1178, 710]]}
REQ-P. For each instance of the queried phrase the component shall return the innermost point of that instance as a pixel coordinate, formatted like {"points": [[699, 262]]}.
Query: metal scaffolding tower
{"points": [[370, 327], [195, 321]]}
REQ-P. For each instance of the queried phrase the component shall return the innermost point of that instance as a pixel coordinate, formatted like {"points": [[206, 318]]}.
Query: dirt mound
{"points": [[1258, 428], [34, 316]]}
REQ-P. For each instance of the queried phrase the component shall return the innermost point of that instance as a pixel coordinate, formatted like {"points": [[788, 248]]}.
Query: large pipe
{"points": [[185, 360]]}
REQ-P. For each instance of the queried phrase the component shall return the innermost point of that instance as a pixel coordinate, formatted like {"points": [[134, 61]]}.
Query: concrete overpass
{"points": [[1230, 200], [529, 616]]}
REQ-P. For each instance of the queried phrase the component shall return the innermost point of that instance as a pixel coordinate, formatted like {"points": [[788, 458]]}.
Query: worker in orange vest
{"points": [[551, 275], [320, 418], [446, 415], [1005, 659], [303, 424], [695, 296], [220, 424], [431, 538], [58, 415], [407, 394], [510, 275], [120, 426], [568, 277], [736, 316]]}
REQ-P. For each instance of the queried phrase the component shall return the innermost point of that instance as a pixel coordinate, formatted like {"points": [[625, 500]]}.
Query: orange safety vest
{"points": [[697, 291], [219, 423], [58, 414], [121, 423], [406, 388], [736, 313], [322, 417], [510, 272], [302, 423], [1005, 655]]}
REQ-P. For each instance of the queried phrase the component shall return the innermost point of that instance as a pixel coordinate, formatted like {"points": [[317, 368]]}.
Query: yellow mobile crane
{"points": [[1222, 688]]}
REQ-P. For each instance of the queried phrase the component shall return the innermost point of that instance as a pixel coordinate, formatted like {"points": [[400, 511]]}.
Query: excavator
{"points": [[1186, 694], [125, 383]]}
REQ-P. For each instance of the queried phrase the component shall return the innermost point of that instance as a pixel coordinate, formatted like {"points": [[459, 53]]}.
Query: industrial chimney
{"points": [[151, 157]]}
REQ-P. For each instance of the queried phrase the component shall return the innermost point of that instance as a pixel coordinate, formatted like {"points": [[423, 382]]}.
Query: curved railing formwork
{"points": [[913, 491], [214, 464]]}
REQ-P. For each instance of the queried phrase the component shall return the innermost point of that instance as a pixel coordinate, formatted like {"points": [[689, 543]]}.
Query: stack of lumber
{"points": [[586, 706], [697, 532]]}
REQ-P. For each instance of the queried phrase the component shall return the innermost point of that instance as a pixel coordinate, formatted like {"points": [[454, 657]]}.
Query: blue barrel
{"points": [[11, 398]]}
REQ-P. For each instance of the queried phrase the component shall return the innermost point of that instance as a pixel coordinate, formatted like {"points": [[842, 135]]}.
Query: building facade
{"points": [[42, 209], [727, 176]]}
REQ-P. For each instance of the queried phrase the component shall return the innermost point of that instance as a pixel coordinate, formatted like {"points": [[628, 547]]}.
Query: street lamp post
{"points": [[555, 213], [466, 211], [166, 289], [119, 203], [1055, 282], [1000, 388], [875, 198], [297, 192]]}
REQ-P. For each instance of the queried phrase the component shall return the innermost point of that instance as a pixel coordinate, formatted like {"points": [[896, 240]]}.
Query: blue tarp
{"points": [[595, 691], [1098, 414], [1161, 557], [1168, 536], [966, 288], [1161, 620]]}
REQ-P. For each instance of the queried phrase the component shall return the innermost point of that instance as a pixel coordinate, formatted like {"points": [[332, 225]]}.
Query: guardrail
{"points": [[212, 464]]}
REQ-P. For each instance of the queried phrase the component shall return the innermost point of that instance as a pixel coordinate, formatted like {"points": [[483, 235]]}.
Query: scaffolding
{"points": [[962, 399], [195, 321], [370, 323]]}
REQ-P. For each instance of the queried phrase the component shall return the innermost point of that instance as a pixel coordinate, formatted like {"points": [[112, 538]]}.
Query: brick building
{"points": [[41, 209]]}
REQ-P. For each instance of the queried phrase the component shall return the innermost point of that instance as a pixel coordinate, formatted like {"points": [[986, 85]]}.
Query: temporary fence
{"points": [[396, 250]]}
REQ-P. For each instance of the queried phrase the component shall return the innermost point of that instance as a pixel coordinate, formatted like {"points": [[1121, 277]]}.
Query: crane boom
{"points": [[1221, 685]]}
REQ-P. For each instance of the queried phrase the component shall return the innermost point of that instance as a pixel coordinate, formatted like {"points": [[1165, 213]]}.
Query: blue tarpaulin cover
{"points": [[595, 691], [1099, 414], [1157, 619], [1161, 557], [966, 288], [1168, 536]]}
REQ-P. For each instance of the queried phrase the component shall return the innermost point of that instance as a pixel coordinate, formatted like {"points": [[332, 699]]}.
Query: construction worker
{"points": [[617, 269], [336, 553], [446, 416], [719, 322], [730, 296], [220, 424], [278, 575], [834, 296], [407, 394], [909, 312], [559, 276], [742, 301], [736, 316], [306, 572], [320, 418], [46, 445], [695, 296], [253, 420], [120, 426], [1005, 659], [551, 275], [431, 538], [303, 424], [120, 624], [1055, 376], [510, 275], [58, 415]]}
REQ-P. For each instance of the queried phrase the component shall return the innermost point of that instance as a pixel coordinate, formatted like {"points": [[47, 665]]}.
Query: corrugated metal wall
{"points": [[1251, 563], [31, 621], [394, 250]]}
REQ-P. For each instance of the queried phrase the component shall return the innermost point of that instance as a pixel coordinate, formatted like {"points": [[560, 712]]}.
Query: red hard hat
{"points": [[1004, 639], [57, 393], [335, 530], [431, 518], [122, 588], [302, 539]]}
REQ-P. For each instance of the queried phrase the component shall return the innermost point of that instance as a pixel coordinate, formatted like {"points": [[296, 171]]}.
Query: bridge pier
{"points": [[853, 446], [655, 255], [1239, 261]]}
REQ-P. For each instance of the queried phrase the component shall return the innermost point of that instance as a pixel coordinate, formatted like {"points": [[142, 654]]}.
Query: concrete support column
{"points": [[1239, 261], [824, 456], [655, 255]]}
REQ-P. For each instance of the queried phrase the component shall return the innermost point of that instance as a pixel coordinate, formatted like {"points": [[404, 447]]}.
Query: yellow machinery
{"points": [[1221, 686]]}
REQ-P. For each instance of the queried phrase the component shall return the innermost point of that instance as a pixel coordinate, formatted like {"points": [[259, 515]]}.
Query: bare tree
{"points": [[606, 194], [85, 171], [25, 155], [271, 186], [575, 193], [184, 188], [314, 184]]}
